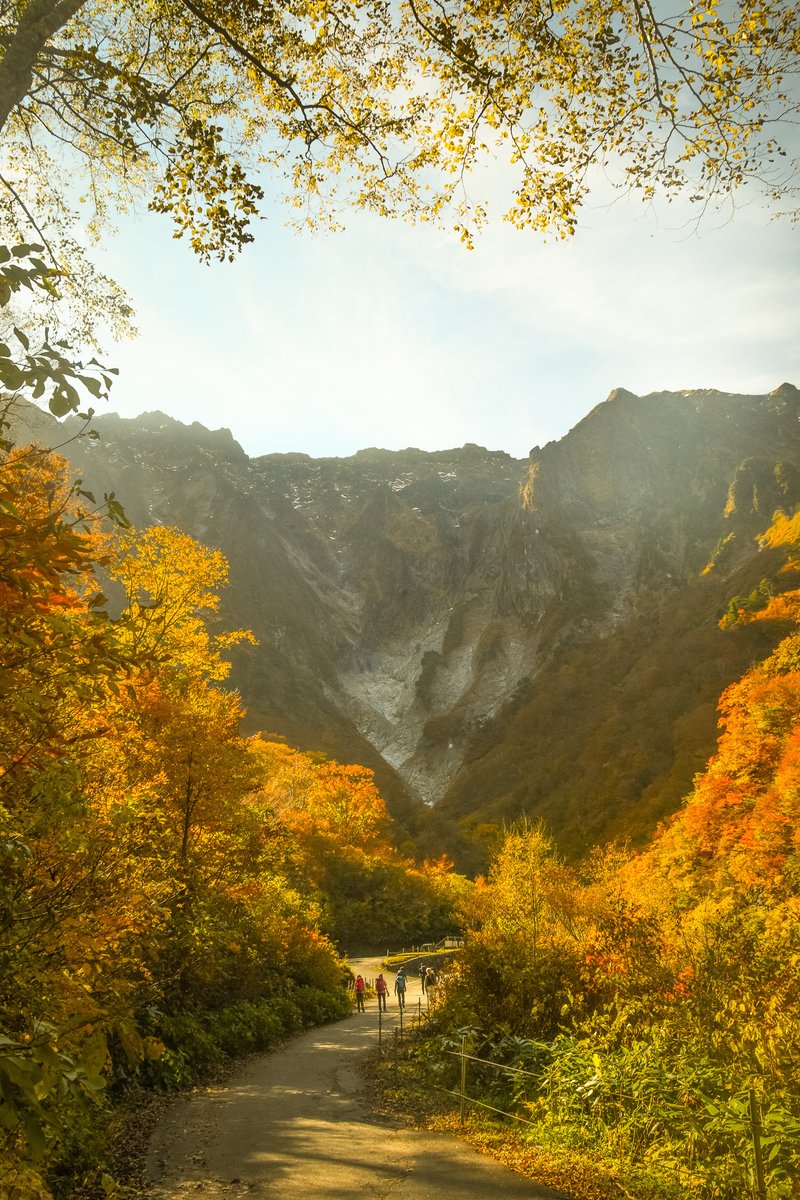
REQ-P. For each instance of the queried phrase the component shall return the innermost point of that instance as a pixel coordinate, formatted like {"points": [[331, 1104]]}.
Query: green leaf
{"points": [[94, 1054], [59, 405], [47, 1055], [11, 376], [35, 1134], [25, 250], [93, 1084]]}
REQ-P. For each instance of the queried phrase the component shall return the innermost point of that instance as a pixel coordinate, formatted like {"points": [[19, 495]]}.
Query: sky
{"points": [[390, 335]]}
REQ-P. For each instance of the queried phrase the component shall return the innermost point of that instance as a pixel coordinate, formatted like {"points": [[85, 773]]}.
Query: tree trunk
{"points": [[40, 20]]}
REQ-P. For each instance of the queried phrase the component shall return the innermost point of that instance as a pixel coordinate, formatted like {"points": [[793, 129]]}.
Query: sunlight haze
{"points": [[392, 336]]}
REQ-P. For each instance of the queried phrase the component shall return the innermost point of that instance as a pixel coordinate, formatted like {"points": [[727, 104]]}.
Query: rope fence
{"points": [[410, 1018], [760, 1188]]}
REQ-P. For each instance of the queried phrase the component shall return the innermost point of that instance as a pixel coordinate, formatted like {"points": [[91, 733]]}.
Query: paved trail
{"points": [[294, 1125]]}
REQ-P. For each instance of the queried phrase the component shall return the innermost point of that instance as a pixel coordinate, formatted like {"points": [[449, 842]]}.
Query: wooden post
{"points": [[419, 1012], [463, 1077], [755, 1127], [395, 1056], [380, 1028]]}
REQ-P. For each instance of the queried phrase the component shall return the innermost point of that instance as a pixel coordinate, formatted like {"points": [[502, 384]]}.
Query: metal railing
{"points": [[461, 1094], [755, 1123], [451, 942]]}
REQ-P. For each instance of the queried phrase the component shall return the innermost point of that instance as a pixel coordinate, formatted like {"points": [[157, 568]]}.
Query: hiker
{"points": [[422, 977], [381, 988], [360, 988], [430, 983], [400, 988]]}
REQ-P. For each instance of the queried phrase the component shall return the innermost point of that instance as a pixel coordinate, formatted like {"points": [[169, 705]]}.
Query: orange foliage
{"points": [[739, 825], [137, 875], [55, 655], [339, 842], [313, 795]]}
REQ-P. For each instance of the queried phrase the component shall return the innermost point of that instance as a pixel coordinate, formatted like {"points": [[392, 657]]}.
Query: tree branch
{"points": [[287, 84]]}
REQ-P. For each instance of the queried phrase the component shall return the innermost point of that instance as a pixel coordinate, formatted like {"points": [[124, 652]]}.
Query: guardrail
{"points": [[464, 1099], [461, 1094], [445, 943]]}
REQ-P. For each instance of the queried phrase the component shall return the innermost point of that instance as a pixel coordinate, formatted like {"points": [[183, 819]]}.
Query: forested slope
{"points": [[172, 892], [492, 637], [651, 998]]}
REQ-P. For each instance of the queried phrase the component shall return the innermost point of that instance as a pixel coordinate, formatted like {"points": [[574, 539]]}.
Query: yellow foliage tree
{"points": [[338, 841], [138, 872], [189, 101]]}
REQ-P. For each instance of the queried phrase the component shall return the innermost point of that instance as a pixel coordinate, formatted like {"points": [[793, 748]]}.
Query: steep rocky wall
{"points": [[406, 603]]}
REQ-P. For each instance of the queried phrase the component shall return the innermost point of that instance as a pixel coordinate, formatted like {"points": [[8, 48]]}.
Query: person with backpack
{"points": [[422, 977], [381, 987], [400, 988], [359, 987]]}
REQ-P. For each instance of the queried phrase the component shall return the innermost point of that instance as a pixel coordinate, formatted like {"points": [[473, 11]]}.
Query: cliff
{"points": [[488, 633]]}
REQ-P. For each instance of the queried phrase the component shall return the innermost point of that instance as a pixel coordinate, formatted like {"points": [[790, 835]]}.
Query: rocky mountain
{"points": [[493, 635]]}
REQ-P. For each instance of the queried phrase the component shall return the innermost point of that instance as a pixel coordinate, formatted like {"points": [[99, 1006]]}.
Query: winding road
{"points": [[296, 1125]]}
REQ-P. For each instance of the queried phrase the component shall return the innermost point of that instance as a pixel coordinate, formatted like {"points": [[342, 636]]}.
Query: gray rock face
{"points": [[402, 600]]}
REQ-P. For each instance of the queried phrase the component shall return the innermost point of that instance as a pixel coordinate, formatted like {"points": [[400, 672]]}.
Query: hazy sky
{"points": [[393, 336]]}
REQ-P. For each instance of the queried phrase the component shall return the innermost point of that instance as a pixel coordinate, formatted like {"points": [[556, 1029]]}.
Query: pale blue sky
{"points": [[388, 335]]}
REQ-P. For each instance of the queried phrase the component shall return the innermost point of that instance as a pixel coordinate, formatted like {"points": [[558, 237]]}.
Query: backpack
{"points": [[400, 983]]}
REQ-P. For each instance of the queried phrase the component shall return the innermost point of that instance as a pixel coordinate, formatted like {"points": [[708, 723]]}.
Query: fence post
{"points": [[380, 1028], [419, 1012], [401, 1021], [755, 1127], [463, 1077], [395, 1056]]}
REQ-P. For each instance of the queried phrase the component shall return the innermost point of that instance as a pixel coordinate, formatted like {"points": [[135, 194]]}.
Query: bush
{"points": [[198, 1043]]}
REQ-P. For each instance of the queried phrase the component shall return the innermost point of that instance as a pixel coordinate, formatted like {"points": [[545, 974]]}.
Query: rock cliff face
{"points": [[652, 508], [643, 483], [406, 603]]}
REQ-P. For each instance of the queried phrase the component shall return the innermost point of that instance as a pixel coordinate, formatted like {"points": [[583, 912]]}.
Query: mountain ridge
{"points": [[407, 602]]}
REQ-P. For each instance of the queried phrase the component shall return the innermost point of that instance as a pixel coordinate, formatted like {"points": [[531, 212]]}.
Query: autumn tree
{"points": [[174, 751], [139, 876], [646, 996], [721, 879], [387, 107], [184, 727], [738, 828], [338, 843], [72, 900], [524, 924]]}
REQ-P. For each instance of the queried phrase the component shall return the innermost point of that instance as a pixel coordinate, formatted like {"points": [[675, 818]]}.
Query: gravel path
{"points": [[296, 1125]]}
